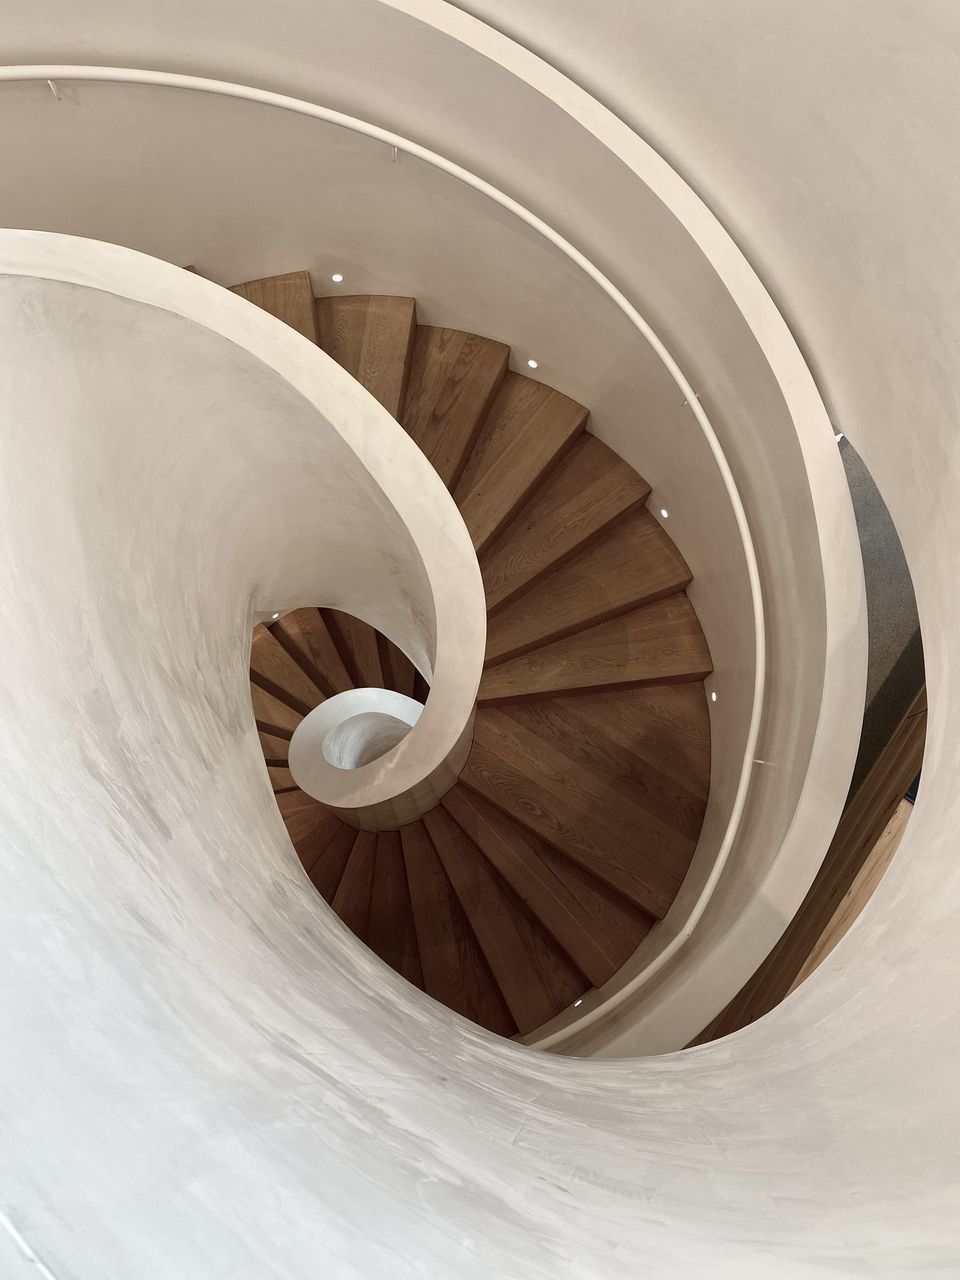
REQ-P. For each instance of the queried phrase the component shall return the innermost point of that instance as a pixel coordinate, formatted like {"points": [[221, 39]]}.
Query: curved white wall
{"points": [[211, 1076], [254, 189]]}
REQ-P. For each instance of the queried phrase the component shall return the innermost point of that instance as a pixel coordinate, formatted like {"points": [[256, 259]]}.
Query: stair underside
{"points": [[577, 813]]}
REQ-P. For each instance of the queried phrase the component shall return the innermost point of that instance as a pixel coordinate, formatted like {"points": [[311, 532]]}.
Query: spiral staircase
{"points": [[573, 822]]}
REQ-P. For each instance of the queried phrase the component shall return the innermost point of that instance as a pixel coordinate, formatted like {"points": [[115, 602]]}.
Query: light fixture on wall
{"points": [[533, 364], [337, 278], [664, 512], [713, 696], [276, 616]]}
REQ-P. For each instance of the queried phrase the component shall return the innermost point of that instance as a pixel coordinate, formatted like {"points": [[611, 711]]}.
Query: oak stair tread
{"points": [[356, 643], [528, 430], [391, 931], [351, 901], [304, 636], [545, 786], [586, 493], [326, 871], [658, 643], [454, 378], [372, 338], [632, 564], [536, 978], [274, 670], [455, 971], [515, 855], [288, 297]]}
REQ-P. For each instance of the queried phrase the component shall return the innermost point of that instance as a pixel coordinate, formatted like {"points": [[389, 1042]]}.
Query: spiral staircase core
{"points": [[572, 825]]}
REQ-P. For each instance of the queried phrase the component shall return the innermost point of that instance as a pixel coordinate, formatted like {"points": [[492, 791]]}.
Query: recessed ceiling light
{"points": [[533, 364], [664, 512], [276, 616], [713, 696], [337, 278]]}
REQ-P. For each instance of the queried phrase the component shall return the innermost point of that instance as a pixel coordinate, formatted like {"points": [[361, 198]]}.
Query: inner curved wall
{"points": [[143, 144]]}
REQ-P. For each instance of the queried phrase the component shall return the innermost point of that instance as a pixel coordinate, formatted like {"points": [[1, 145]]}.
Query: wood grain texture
{"points": [[632, 564], [586, 493], [660, 643], [861, 826], [274, 749], [274, 670], [274, 731], [304, 636], [372, 338], [391, 932], [860, 891], [356, 643], [628, 762], [514, 854], [351, 901], [528, 430], [276, 716], [302, 815], [311, 846], [327, 870], [288, 297], [399, 673], [537, 980], [281, 779], [454, 969], [454, 378], [575, 807]]}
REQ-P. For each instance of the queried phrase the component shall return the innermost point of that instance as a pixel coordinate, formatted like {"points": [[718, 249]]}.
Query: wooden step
{"points": [[513, 852], [288, 297], [302, 815], [630, 761], [391, 932], [455, 971], [528, 430], [584, 495], [274, 716], [315, 843], [274, 749], [399, 673], [275, 732], [544, 784], [351, 901], [454, 378], [660, 643], [356, 643], [272, 668], [327, 871], [281, 779], [536, 978], [632, 564], [304, 636], [372, 338]]}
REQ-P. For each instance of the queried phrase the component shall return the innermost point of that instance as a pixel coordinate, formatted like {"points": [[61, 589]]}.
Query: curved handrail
{"points": [[429, 550], [199, 84]]}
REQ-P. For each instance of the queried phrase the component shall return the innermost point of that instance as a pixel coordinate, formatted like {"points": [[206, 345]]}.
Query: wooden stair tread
{"points": [[586, 493], [572, 807], [311, 846], [632, 564], [372, 338], [455, 971], [391, 932], [351, 901], [399, 673], [274, 748], [288, 297], [528, 429], [304, 636], [665, 726], [657, 644], [536, 978], [327, 870], [513, 852], [281, 779], [628, 763], [356, 643], [273, 669], [301, 814], [273, 714], [621, 924], [454, 377]]}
